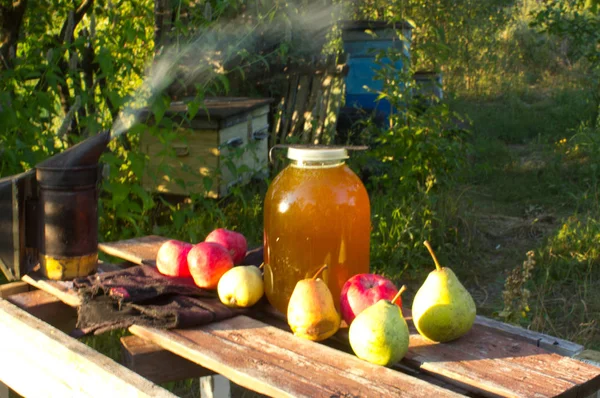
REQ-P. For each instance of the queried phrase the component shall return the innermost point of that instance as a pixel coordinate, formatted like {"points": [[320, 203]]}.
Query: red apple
{"points": [[208, 261], [233, 241], [171, 258], [362, 291]]}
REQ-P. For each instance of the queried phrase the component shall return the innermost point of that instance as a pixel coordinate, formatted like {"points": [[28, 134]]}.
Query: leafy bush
{"points": [[410, 162]]}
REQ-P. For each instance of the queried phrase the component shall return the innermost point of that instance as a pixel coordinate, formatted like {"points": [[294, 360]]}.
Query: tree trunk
{"points": [[11, 16], [162, 24]]}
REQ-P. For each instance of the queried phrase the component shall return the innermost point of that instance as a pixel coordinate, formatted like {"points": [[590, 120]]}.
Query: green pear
{"points": [[379, 334], [443, 310], [311, 312]]}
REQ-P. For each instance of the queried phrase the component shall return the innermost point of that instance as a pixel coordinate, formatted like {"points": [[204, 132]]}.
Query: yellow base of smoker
{"points": [[66, 268]]}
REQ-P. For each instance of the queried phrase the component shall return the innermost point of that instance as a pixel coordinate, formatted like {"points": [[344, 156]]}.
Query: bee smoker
{"points": [[49, 215]]}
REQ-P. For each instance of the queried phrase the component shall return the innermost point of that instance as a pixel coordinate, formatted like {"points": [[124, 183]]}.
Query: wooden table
{"points": [[259, 353]]}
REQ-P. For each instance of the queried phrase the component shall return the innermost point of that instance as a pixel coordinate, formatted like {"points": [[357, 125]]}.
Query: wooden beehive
{"points": [[225, 144]]}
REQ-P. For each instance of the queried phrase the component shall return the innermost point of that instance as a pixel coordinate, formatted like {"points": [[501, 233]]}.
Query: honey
{"points": [[316, 212]]}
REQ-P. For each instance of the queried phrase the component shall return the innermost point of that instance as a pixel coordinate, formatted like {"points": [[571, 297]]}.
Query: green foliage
{"points": [[410, 162], [576, 21], [62, 88], [578, 24], [516, 295], [567, 280], [460, 39], [540, 114]]}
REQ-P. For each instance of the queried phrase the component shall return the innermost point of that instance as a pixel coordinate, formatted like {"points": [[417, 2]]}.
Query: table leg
{"points": [[593, 358], [215, 387], [4, 390]]}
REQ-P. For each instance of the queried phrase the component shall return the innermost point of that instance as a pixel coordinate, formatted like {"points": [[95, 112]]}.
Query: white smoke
{"points": [[201, 59]]}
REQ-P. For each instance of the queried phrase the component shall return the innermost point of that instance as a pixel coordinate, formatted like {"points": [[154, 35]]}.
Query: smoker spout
{"points": [[85, 153]]}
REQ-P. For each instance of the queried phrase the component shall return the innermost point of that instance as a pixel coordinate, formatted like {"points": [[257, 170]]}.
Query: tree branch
{"points": [[77, 17], [11, 17], [66, 35], [87, 65], [162, 23], [65, 100]]}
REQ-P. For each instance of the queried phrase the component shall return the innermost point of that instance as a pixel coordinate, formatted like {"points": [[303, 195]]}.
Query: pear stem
{"points": [[261, 266], [435, 260], [397, 296], [324, 267]]}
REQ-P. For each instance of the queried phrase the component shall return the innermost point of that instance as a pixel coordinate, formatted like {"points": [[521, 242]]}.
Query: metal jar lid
{"points": [[316, 153]]}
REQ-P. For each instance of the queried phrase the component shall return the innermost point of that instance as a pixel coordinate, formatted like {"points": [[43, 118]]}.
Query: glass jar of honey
{"points": [[316, 212]]}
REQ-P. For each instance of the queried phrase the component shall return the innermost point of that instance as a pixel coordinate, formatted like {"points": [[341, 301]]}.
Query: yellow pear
{"points": [[379, 334], [311, 312], [241, 286], [443, 310]]}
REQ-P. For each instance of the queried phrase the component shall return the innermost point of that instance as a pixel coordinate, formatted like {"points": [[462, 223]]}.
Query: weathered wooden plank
{"points": [[14, 288], [527, 369], [157, 364], [63, 290], [141, 250], [311, 113], [271, 317], [271, 361], [278, 112], [63, 366], [333, 107], [550, 343], [297, 122], [326, 88], [490, 363], [47, 308], [490, 351], [289, 107]]}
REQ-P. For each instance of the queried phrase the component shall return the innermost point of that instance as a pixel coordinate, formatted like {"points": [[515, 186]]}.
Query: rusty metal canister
{"points": [[68, 220]]}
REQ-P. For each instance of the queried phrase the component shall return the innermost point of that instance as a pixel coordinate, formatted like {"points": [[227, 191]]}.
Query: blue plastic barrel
{"points": [[362, 41]]}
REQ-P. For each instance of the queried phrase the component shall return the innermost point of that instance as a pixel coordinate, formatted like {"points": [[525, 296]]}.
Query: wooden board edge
{"points": [[115, 252], [54, 288], [162, 337], [185, 347], [11, 288], [157, 364], [547, 342], [47, 308], [63, 366]]}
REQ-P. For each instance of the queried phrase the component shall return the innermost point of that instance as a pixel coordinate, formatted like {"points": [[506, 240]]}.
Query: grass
{"points": [[532, 186], [529, 116]]}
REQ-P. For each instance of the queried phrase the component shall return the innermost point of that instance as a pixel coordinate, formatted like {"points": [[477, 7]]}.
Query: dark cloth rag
{"points": [[141, 295]]}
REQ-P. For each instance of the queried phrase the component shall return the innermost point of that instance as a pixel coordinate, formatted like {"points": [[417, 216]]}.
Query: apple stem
{"points": [[397, 296], [324, 267], [261, 266], [435, 260]]}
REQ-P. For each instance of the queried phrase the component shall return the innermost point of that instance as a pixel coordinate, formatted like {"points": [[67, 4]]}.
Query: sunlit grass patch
{"points": [[568, 280]]}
